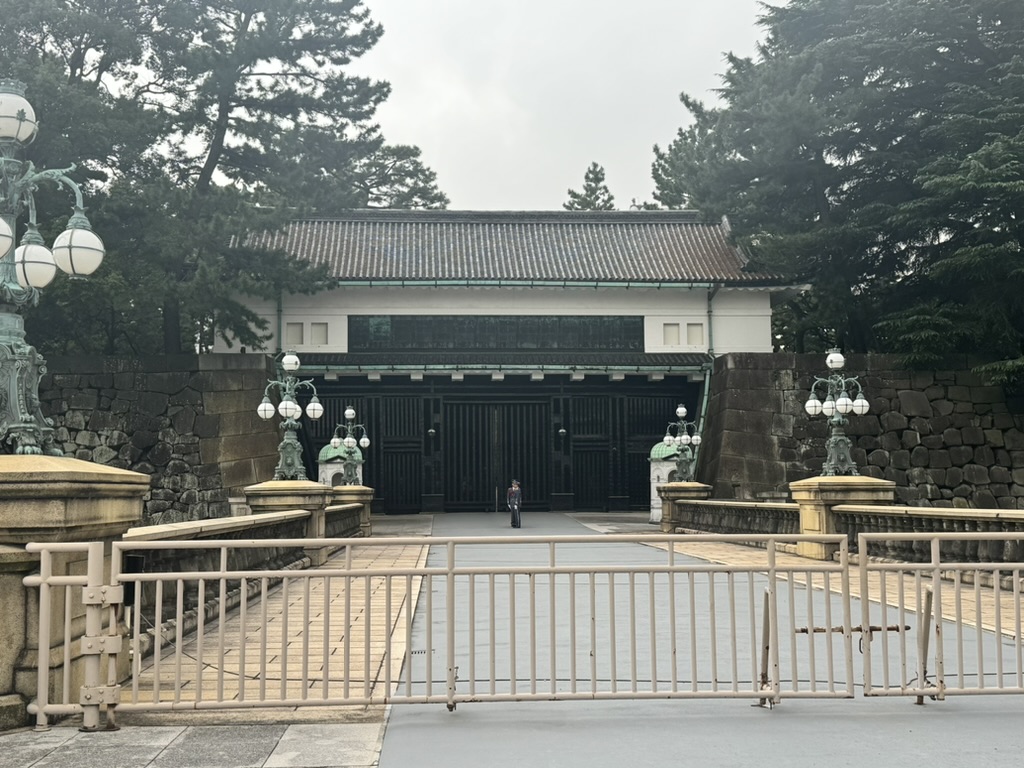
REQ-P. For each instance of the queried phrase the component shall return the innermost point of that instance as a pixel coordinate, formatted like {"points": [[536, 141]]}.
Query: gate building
{"points": [[552, 347]]}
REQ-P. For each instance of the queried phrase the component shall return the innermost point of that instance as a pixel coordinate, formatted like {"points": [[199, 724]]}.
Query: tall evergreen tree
{"points": [[205, 121], [595, 195], [873, 148]]}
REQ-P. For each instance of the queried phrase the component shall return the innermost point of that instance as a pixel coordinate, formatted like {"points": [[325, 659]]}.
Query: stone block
{"points": [[985, 456], [914, 403], [898, 476], [187, 396], [910, 438], [230, 402], [919, 457], [939, 459], [987, 394], [952, 436], [922, 380], [932, 442], [893, 421], [973, 436], [999, 475], [960, 393], [152, 403], [890, 441], [960, 455], [943, 407], [1014, 440], [878, 459], [184, 420], [899, 459], [921, 425], [983, 499], [976, 474]]}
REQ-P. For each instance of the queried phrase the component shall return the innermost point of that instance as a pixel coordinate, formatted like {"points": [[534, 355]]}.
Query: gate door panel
{"points": [[485, 445]]}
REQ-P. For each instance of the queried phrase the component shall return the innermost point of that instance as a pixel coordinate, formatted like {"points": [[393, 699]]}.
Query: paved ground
{"points": [[958, 732]]}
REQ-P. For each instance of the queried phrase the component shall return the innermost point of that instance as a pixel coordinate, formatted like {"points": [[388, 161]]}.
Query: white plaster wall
{"points": [[742, 322], [742, 319]]}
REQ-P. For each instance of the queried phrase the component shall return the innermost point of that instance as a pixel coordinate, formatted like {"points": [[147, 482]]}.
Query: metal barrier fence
{"points": [[971, 612], [521, 618]]}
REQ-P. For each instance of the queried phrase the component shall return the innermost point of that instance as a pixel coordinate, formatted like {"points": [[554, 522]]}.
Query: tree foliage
{"points": [[196, 122], [874, 149], [595, 195]]}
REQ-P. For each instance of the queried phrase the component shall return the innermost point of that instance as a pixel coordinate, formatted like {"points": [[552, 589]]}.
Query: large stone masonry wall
{"points": [[943, 436], [187, 421]]}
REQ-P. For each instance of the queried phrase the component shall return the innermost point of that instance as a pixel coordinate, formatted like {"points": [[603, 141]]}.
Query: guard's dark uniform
{"points": [[515, 498]]}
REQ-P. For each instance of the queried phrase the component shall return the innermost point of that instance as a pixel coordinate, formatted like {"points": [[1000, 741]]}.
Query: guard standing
{"points": [[515, 498]]}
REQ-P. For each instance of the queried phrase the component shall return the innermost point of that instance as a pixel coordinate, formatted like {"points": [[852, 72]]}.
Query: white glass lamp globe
{"points": [[34, 265], [364, 442], [667, 440], [350, 442], [696, 440], [828, 407], [290, 362], [335, 442], [289, 409], [314, 409], [17, 117], [835, 360], [6, 237], [813, 405], [78, 252], [860, 405], [266, 409], [684, 439], [350, 414], [681, 411], [844, 404]]}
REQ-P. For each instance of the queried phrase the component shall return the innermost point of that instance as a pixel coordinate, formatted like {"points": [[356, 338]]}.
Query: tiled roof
{"points": [[498, 360], [559, 246]]}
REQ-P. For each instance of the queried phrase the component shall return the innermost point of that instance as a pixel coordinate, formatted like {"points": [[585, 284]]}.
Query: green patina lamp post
{"points": [[686, 438], [836, 389], [350, 435], [24, 270], [290, 466]]}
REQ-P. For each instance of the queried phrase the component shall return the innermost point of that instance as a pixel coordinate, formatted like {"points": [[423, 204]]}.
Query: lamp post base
{"points": [[23, 425]]}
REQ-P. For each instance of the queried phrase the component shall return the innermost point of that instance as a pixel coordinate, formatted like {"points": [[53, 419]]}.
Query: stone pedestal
{"points": [[816, 497], [670, 493], [357, 494], [285, 495], [52, 499]]}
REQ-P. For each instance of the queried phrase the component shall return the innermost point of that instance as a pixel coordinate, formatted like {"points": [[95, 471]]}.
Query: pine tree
{"points": [[873, 149], [595, 195]]}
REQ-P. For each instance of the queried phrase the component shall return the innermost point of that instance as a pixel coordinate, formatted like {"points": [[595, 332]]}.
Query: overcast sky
{"points": [[511, 101]]}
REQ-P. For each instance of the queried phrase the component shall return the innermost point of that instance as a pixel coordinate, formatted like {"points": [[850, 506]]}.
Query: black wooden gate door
{"points": [[485, 445]]}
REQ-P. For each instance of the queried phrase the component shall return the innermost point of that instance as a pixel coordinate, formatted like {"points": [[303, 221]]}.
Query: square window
{"points": [[695, 334], [318, 333], [670, 334], [293, 334]]}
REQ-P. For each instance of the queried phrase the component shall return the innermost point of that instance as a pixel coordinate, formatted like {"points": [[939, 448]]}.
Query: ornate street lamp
{"points": [[24, 270], [350, 435], [290, 466], [836, 389], [686, 439]]}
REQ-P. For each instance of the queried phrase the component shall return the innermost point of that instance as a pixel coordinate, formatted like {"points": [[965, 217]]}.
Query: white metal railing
{"points": [[519, 618], [970, 612]]}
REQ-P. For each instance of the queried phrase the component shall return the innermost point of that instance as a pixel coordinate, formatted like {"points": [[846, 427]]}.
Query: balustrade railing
{"points": [[717, 516], [851, 520]]}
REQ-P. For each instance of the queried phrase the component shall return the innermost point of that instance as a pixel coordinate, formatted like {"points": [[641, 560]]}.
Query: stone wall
{"points": [[187, 421], [943, 436]]}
